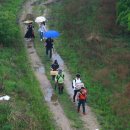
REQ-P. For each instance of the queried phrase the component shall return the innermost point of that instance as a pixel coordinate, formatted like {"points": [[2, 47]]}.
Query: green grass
{"points": [[65, 101], [104, 65], [27, 108]]}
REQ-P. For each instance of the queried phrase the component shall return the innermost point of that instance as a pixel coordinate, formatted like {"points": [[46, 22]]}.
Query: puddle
{"points": [[38, 63], [36, 67], [41, 70], [31, 52], [29, 46], [55, 103], [48, 94]]}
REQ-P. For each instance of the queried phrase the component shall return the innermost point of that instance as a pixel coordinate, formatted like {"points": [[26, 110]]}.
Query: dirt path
{"points": [[90, 121], [62, 122]]}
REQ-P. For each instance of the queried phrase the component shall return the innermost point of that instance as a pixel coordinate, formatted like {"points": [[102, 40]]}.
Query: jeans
{"points": [[83, 105], [60, 88], [41, 35]]}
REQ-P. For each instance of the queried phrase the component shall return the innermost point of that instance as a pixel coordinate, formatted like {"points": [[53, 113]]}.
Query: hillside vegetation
{"points": [[123, 13], [26, 110], [90, 44]]}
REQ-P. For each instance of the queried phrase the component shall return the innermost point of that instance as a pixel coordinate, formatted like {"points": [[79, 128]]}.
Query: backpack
{"points": [[60, 78], [79, 85], [83, 94]]}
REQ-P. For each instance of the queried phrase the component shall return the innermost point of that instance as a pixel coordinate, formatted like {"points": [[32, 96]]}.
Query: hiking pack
{"points": [[77, 85], [60, 78], [83, 94]]}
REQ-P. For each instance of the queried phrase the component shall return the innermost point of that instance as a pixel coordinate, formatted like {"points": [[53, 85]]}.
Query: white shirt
{"points": [[42, 28], [76, 81]]}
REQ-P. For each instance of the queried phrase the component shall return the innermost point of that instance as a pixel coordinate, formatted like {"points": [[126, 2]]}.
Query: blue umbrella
{"points": [[51, 34]]}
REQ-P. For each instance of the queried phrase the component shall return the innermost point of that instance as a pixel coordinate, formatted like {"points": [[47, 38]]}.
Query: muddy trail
{"points": [[59, 117], [90, 121]]}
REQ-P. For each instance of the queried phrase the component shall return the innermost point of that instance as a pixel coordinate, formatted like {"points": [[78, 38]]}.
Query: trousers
{"points": [[81, 102], [49, 50]]}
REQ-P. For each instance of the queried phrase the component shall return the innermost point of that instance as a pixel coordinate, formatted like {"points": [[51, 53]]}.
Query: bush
{"points": [[123, 13], [8, 27]]}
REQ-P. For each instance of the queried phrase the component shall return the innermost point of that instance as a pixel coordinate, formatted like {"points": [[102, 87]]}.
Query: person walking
{"points": [[59, 79], [54, 67], [76, 85], [30, 31], [81, 98], [49, 46], [42, 29]]}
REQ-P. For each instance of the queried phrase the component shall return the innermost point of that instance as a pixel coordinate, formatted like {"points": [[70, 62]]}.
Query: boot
{"points": [[84, 113], [78, 110]]}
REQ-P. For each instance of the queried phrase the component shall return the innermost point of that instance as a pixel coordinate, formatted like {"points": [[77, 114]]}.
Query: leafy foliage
{"points": [[8, 26], [26, 109], [123, 13]]}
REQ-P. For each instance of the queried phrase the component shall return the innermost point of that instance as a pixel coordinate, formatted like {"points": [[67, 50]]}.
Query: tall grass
{"points": [[65, 101], [27, 108], [102, 60]]}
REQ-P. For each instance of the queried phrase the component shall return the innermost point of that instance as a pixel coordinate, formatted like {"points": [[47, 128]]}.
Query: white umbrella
{"points": [[40, 19]]}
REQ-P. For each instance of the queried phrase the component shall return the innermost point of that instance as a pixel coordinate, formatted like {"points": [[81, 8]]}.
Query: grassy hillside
{"points": [[68, 107], [123, 13], [91, 43], [26, 109]]}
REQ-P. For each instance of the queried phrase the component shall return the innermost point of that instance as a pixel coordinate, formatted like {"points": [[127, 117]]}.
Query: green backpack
{"points": [[60, 78]]}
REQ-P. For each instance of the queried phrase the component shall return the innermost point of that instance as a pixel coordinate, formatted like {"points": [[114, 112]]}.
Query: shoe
{"points": [[78, 111], [73, 100], [84, 113]]}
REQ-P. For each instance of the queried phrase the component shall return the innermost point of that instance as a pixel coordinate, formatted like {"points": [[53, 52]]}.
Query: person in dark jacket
{"points": [[30, 31], [54, 67], [49, 46]]}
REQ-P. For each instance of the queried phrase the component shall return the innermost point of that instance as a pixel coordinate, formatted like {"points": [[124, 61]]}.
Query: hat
{"points": [[78, 75]]}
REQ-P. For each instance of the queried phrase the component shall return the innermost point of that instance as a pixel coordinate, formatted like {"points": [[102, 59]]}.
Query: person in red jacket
{"points": [[81, 98]]}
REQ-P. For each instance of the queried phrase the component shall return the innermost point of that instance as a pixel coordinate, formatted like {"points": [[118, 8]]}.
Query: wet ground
{"points": [[62, 121]]}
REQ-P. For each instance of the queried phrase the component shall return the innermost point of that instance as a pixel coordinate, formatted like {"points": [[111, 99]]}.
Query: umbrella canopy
{"points": [[40, 19], [51, 34], [28, 21]]}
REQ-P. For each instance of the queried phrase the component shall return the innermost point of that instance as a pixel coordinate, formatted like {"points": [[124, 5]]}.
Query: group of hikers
{"points": [[80, 91]]}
